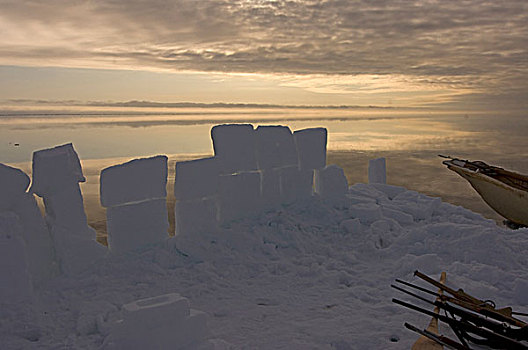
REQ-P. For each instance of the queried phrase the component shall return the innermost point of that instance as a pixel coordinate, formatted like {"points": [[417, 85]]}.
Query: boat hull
{"points": [[510, 202]]}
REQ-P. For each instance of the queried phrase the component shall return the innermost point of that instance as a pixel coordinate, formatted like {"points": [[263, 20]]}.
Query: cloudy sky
{"points": [[467, 55]]}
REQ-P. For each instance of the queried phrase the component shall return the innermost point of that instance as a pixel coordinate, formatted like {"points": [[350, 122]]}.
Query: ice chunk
{"points": [[295, 183], [36, 236], [311, 147], [331, 182], [196, 178], [163, 322], [239, 195], [275, 147], [367, 213], [136, 226], [134, 181], [195, 216], [15, 283], [66, 208], [395, 214], [377, 173], [234, 146], [351, 226], [55, 168], [155, 311], [13, 184], [270, 188]]}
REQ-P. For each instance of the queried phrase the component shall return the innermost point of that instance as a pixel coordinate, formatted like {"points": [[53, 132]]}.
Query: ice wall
{"points": [[252, 170], [56, 175], [134, 194]]}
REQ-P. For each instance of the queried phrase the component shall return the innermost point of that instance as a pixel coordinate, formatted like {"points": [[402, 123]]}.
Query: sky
{"points": [[463, 55]]}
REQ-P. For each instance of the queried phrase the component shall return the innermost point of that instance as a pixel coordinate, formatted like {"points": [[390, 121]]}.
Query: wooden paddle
{"points": [[424, 343]]}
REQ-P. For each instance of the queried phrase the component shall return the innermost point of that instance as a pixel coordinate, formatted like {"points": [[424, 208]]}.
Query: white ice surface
{"points": [[234, 146], [311, 275], [54, 168], [134, 181]]}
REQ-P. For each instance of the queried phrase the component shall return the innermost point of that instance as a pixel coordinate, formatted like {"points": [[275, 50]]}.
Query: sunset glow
{"points": [[450, 55]]}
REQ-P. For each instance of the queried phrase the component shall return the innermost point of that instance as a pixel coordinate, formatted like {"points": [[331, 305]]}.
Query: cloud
{"points": [[473, 46]]}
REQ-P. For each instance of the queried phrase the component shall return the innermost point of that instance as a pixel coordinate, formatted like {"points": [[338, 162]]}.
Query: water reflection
{"points": [[410, 142]]}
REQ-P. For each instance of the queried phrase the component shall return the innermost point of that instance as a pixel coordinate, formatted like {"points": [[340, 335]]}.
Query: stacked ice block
{"points": [[134, 194], [56, 175], [239, 182], [195, 190]]}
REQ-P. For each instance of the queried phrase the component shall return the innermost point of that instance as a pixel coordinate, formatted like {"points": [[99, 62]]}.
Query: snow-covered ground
{"points": [[315, 274]]}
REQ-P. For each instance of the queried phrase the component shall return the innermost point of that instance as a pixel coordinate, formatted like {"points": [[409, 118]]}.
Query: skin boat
{"points": [[504, 191]]}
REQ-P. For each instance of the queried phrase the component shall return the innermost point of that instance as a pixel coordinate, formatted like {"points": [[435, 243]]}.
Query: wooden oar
{"points": [[424, 343]]}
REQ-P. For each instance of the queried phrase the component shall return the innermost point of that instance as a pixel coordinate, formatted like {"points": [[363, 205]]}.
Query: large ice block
{"points": [[311, 147], [270, 188], [15, 285], [331, 182], [377, 173], [239, 195], [234, 146], [13, 184], [295, 184], [76, 253], [66, 208], [196, 178], [54, 169], [134, 181], [275, 147], [39, 245], [195, 216], [135, 226]]}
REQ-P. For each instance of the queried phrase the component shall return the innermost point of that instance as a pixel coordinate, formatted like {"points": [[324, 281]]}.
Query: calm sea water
{"points": [[410, 140]]}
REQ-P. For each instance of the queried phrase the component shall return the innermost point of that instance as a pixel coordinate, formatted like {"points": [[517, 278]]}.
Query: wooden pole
{"points": [[424, 343]]}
